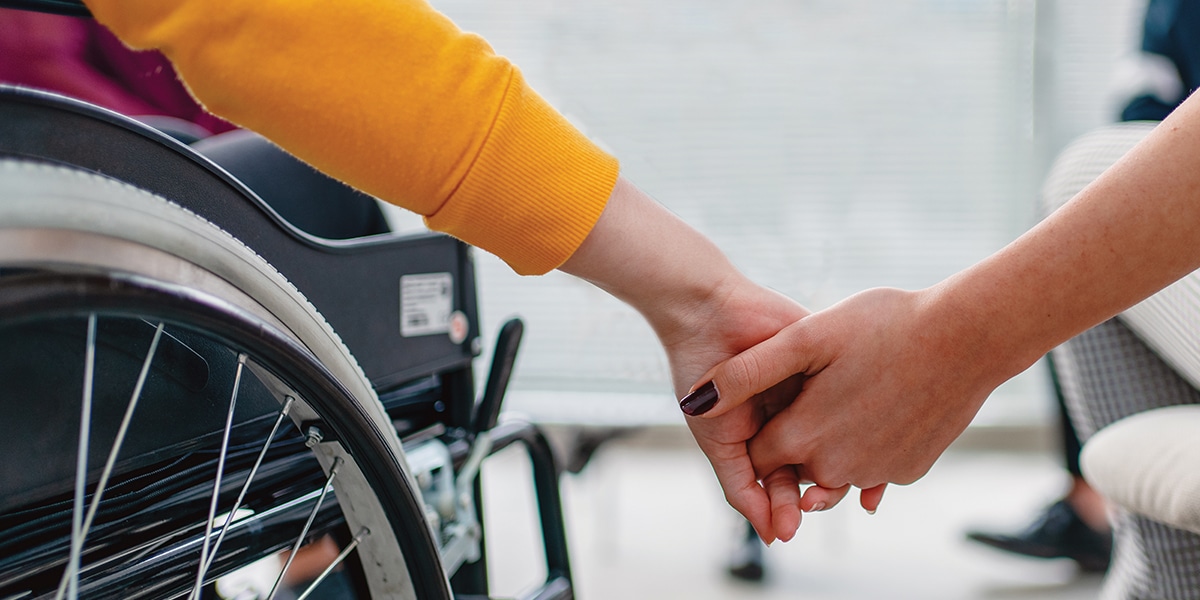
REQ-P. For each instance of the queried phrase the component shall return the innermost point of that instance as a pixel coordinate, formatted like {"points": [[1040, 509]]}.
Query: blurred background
{"points": [[827, 146]]}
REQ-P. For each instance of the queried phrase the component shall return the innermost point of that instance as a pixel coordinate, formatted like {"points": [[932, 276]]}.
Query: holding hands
{"points": [[872, 390], [704, 312], [888, 385], [850, 396], [892, 377]]}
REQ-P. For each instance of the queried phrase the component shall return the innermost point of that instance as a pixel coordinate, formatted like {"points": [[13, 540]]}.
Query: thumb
{"points": [[733, 382]]}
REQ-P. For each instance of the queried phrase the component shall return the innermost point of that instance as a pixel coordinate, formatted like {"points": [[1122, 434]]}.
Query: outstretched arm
{"points": [[895, 376]]}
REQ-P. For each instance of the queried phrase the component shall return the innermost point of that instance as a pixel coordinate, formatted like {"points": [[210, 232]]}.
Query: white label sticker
{"points": [[426, 302]]}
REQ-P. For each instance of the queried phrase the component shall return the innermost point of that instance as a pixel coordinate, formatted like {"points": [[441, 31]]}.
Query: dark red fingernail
{"points": [[700, 401]]}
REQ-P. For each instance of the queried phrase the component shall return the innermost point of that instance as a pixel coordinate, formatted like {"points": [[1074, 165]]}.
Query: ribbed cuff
{"points": [[536, 189]]}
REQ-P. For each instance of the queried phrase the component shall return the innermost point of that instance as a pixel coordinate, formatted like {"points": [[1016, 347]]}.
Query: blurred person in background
{"points": [[1074, 526]]}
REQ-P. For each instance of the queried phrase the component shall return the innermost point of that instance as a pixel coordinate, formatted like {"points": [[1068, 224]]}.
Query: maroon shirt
{"points": [[80, 58]]}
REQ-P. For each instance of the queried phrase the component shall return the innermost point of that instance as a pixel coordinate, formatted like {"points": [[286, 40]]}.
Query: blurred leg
{"points": [[1075, 526], [747, 560]]}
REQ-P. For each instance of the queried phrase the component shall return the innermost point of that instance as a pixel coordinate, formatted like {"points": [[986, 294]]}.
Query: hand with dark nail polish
{"points": [[752, 314], [700, 400]]}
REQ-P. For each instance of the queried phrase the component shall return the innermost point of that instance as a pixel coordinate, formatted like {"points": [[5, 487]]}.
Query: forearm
{"points": [[647, 257], [1133, 231], [703, 311]]}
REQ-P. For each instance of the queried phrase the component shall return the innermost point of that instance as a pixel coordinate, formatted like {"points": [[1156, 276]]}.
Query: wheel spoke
{"points": [[364, 532], [212, 507], [287, 406], [98, 495], [119, 440], [337, 462], [85, 423]]}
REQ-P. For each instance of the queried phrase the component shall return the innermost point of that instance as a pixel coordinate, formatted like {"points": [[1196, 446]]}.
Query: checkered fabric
{"points": [[1146, 358], [1108, 373]]}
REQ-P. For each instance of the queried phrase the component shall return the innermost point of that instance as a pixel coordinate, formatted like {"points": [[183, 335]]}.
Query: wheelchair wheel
{"points": [[177, 416]]}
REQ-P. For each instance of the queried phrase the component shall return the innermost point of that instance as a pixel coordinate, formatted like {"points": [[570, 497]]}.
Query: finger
{"points": [[781, 441], [754, 504], [817, 498], [783, 490], [729, 384], [871, 497], [745, 495]]}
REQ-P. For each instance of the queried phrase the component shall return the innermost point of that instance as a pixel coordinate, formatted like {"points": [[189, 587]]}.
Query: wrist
{"points": [[978, 331], [692, 304], [648, 258]]}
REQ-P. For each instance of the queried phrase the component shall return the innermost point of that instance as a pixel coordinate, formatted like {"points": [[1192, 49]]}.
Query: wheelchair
{"points": [[193, 389]]}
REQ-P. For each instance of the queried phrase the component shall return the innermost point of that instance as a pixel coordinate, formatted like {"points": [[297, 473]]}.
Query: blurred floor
{"points": [[646, 520]]}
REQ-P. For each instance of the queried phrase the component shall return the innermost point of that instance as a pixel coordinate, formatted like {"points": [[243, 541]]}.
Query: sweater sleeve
{"points": [[392, 98]]}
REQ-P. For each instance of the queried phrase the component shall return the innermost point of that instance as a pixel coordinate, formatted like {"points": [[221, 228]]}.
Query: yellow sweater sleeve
{"points": [[392, 98]]}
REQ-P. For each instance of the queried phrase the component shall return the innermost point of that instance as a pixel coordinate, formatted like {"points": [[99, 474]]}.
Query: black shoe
{"points": [[1057, 533], [747, 562]]}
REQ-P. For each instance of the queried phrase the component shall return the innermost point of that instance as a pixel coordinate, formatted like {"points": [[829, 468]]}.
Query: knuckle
{"points": [[743, 373], [735, 500], [777, 477], [832, 469], [911, 475], [827, 477]]}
